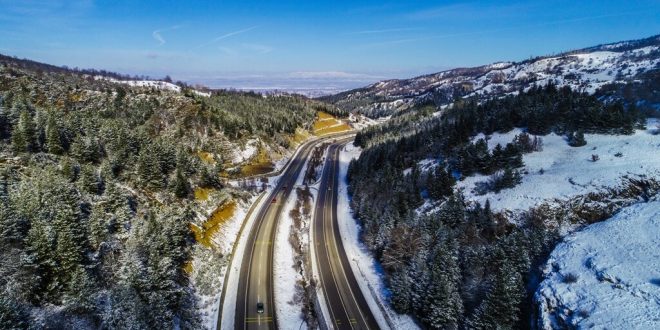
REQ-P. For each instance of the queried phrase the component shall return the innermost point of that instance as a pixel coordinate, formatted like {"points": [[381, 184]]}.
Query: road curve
{"points": [[347, 306], [256, 268]]}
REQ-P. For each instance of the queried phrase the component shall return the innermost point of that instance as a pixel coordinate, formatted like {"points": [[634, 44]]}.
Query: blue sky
{"points": [[268, 42]]}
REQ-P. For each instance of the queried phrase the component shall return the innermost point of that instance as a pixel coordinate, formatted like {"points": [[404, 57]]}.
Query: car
{"points": [[283, 187], [260, 307], [274, 200]]}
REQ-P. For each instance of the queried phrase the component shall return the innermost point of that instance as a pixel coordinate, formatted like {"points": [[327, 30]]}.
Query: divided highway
{"points": [[347, 306], [255, 303]]}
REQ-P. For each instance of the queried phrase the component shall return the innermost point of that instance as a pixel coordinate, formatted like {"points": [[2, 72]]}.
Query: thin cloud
{"points": [[470, 10], [159, 37], [225, 36], [383, 31], [262, 49], [490, 31], [228, 51]]}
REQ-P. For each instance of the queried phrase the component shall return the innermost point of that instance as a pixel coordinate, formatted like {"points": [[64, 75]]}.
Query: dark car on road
{"points": [[260, 307]]}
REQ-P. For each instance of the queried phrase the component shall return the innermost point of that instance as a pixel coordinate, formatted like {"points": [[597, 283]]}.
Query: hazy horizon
{"points": [[336, 45]]}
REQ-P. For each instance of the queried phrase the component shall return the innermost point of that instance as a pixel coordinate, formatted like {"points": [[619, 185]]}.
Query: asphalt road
{"points": [[256, 273], [347, 306]]}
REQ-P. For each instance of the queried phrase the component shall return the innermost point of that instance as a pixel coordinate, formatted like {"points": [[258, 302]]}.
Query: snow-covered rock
{"points": [[607, 275]]}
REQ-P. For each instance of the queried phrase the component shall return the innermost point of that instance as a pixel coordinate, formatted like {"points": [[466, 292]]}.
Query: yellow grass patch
{"points": [[300, 136], [206, 157], [213, 224], [325, 115], [333, 129], [188, 267], [326, 124], [261, 164], [202, 194]]}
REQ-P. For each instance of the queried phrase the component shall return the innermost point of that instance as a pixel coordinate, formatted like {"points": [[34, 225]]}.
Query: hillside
{"points": [[606, 275], [483, 185], [112, 190], [585, 70]]}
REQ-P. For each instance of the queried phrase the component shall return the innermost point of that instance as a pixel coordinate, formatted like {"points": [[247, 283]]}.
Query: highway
{"points": [[347, 306], [256, 265]]}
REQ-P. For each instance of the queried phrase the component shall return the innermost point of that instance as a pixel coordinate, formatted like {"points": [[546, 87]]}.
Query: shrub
{"points": [[576, 139], [569, 278]]}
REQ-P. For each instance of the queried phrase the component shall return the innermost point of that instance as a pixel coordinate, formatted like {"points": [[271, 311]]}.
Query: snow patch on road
{"points": [[607, 275], [363, 264]]}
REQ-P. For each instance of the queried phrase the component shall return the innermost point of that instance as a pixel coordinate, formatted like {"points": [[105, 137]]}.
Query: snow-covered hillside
{"points": [[583, 70], [156, 84], [561, 172], [606, 276]]}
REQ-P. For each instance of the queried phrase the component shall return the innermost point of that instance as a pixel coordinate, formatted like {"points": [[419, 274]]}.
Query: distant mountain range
{"points": [[586, 70]]}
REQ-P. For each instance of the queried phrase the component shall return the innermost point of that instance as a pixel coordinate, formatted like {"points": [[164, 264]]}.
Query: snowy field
{"points": [[561, 172], [606, 276], [363, 264]]}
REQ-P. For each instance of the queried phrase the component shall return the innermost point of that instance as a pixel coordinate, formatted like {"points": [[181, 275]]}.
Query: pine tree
{"points": [[501, 306], [80, 293], [98, 224], [89, 180], [576, 139], [440, 183], [508, 179], [149, 169], [443, 305], [181, 186], [12, 314], [400, 285], [53, 139], [23, 133]]}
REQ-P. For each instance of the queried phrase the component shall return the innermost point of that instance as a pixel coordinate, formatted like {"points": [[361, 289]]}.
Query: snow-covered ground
{"points": [[585, 70], [363, 264], [606, 276], [157, 84], [209, 270], [565, 172], [248, 151]]}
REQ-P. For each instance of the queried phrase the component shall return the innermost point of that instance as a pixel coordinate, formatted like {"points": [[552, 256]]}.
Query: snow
{"points": [[247, 152], [143, 83], [585, 71], [203, 94], [363, 264], [289, 312], [224, 241], [614, 264], [568, 172]]}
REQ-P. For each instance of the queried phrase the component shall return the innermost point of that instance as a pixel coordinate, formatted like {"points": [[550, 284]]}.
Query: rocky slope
{"points": [[583, 70]]}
